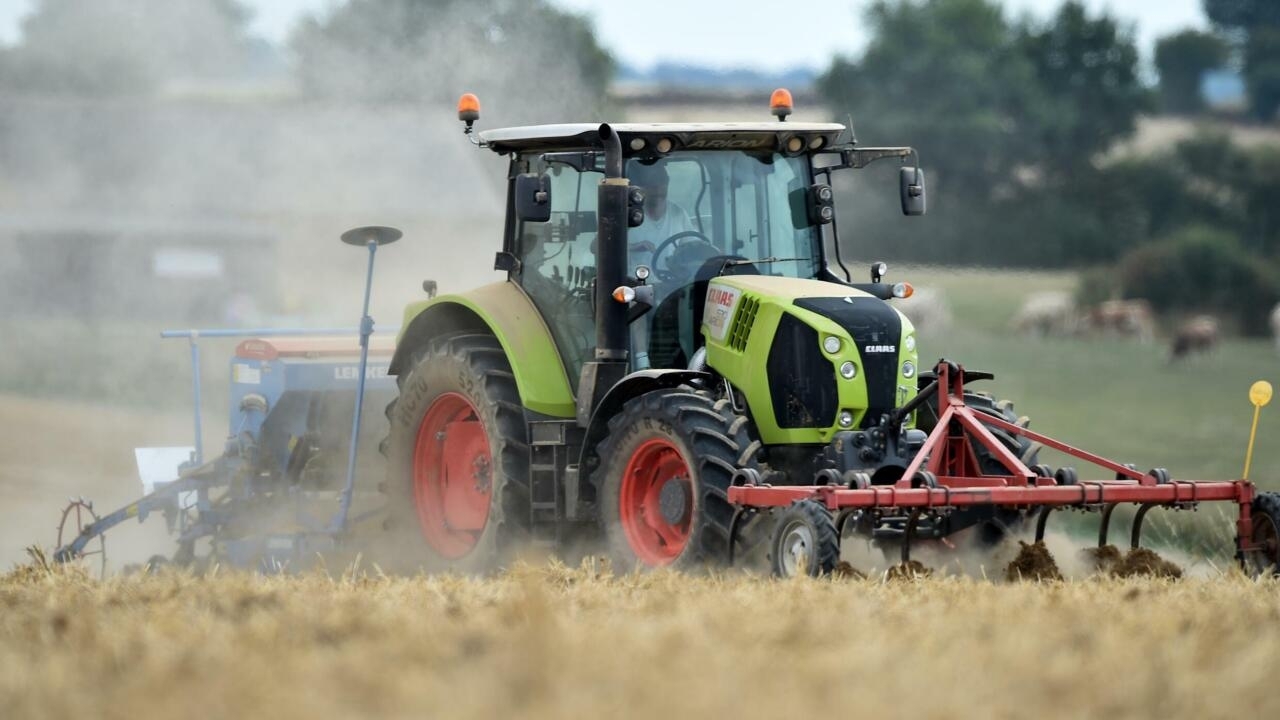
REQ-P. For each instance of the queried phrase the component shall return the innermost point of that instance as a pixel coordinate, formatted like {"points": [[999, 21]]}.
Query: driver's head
{"points": [[653, 180]]}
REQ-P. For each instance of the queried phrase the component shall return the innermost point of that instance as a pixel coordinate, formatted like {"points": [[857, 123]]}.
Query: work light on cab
{"points": [[468, 108], [780, 104]]}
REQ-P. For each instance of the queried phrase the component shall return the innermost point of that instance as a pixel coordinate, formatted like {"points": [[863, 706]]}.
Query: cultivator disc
{"points": [[77, 517]]}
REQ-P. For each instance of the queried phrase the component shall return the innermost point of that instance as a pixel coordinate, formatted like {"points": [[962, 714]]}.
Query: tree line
{"points": [[1018, 123], [1017, 120]]}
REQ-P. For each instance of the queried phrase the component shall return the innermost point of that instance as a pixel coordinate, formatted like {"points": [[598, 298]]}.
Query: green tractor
{"points": [[670, 321]]}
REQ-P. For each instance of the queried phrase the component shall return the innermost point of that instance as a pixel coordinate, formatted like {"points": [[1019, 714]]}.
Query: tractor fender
{"points": [[503, 310], [633, 385]]}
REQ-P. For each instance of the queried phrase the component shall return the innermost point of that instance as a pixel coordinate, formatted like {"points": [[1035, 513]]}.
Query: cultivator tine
{"points": [[734, 525], [1105, 525], [1136, 536], [1042, 521], [910, 532]]}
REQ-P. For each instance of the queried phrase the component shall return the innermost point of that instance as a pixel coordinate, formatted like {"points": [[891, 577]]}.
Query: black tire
{"points": [[475, 368], [659, 430], [1265, 512], [991, 532], [804, 540]]}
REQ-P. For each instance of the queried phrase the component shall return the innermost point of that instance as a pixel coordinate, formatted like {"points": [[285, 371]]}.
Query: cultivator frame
{"points": [[945, 476]]}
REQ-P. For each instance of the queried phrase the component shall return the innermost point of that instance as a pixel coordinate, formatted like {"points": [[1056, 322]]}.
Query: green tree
{"points": [[946, 76], [1256, 26], [1086, 69], [1200, 268], [125, 47], [528, 59], [1182, 59], [1008, 119]]}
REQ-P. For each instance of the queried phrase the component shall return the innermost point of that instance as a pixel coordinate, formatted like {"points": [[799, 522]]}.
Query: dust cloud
{"points": [[160, 171]]}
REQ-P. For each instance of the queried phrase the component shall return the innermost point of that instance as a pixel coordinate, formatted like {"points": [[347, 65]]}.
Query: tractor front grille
{"points": [[742, 322], [874, 325], [802, 383]]}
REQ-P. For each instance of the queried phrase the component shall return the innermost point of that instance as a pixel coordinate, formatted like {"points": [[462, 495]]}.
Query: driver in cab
{"points": [[662, 217]]}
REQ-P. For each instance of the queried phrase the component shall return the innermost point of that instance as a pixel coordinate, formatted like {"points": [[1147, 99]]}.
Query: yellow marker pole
{"points": [[1259, 395]]}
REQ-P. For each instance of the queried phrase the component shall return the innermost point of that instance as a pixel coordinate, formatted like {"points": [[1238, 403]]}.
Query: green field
{"points": [[1118, 398]]}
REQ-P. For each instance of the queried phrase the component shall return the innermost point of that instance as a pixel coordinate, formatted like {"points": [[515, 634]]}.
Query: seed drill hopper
{"points": [[285, 486]]}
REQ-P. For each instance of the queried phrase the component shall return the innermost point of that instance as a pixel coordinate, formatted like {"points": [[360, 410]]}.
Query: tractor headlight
{"points": [[846, 419], [848, 370], [910, 343], [831, 344], [908, 369]]}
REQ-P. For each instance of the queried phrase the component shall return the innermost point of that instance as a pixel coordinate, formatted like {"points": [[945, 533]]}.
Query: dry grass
{"points": [[554, 642]]}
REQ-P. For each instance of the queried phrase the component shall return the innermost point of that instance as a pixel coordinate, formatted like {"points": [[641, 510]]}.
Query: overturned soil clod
{"points": [[908, 571], [1104, 558], [1034, 562], [1144, 562], [846, 571]]}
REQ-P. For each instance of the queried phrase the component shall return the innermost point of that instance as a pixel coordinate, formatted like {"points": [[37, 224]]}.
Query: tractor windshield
{"points": [[706, 214], [729, 205]]}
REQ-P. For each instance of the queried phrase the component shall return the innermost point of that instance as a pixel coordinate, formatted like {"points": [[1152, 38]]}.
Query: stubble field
{"points": [[554, 642]]}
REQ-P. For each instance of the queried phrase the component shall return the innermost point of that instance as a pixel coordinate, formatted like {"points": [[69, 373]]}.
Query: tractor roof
{"points": [[688, 136]]}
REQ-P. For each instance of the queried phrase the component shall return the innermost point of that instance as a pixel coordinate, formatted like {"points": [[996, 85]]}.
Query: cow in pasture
{"points": [[927, 310], [1044, 314], [1121, 318], [1197, 334]]}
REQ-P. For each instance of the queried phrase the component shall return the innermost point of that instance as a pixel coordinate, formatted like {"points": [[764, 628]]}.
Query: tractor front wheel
{"points": [[458, 456], [663, 478]]}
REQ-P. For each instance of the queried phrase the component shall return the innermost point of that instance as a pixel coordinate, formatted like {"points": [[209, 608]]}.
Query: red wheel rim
{"points": [[657, 475], [452, 476]]}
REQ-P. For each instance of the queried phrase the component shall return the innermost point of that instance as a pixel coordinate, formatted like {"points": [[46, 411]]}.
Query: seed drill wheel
{"points": [[663, 478], [458, 456], [1265, 561], [76, 516], [804, 541]]}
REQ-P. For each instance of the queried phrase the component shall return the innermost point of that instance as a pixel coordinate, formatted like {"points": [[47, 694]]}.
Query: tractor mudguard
{"points": [[635, 384], [503, 310]]}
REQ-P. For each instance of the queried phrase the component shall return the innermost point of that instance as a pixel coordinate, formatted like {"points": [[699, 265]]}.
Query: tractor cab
{"points": [[706, 200]]}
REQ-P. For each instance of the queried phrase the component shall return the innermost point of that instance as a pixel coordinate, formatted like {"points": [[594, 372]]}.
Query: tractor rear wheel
{"points": [[663, 478], [458, 456], [1265, 561]]}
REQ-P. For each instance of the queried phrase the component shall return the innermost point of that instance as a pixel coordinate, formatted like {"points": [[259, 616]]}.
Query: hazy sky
{"points": [[765, 34]]}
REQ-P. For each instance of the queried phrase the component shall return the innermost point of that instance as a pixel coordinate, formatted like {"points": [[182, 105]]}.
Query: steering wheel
{"points": [[667, 275]]}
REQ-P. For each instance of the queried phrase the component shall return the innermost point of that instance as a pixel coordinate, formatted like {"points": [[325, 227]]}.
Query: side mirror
{"points": [[533, 197], [911, 188]]}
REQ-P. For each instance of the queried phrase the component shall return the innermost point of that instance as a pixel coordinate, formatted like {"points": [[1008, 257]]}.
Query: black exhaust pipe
{"points": [[610, 362], [611, 251]]}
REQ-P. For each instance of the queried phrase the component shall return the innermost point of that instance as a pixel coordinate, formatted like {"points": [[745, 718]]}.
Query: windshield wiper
{"points": [[732, 263]]}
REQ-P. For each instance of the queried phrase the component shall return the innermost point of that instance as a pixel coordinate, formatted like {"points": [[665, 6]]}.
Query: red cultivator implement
{"points": [[945, 476]]}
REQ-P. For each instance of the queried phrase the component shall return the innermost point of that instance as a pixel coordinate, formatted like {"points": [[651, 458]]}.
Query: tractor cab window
{"points": [[558, 261], [715, 213], [706, 214]]}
